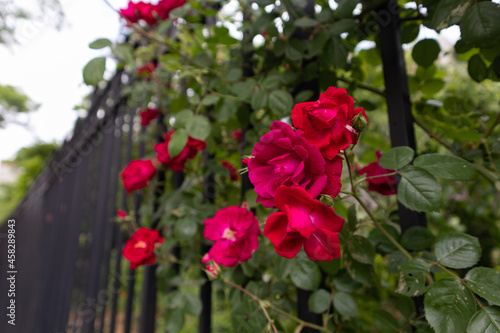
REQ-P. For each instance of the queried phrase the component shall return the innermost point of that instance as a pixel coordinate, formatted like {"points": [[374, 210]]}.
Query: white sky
{"points": [[47, 66]]}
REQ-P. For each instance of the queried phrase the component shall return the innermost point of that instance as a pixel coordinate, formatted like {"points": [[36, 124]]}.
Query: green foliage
{"points": [[396, 158], [94, 70]]}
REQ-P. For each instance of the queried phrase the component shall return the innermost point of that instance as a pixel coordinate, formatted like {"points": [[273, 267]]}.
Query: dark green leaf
{"points": [[185, 229], [271, 82], [259, 99], [192, 304], [418, 189], [449, 306], [174, 320], [361, 249], [448, 13], [352, 219], [477, 69], [100, 43], [396, 158], [345, 304], [344, 282], [292, 53], [305, 22], [242, 89], [330, 267], [177, 142], [412, 278], [480, 25], [318, 42], [486, 320], [199, 127], [362, 273], [457, 250], [210, 100], [346, 8], [234, 74], [182, 118], [495, 66], [417, 238], [306, 275], [425, 52], [319, 301], [385, 322], [431, 87], [446, 166], [342, 26], [409, 32], [94, 70], [485, 282], [304, 96], [281, 102], [247, 317]]}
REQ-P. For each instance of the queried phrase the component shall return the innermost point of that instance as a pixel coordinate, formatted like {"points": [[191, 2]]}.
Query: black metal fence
{"points": [[66, 274]]}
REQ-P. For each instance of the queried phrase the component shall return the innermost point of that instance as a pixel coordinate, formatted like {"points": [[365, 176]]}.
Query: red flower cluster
{"points": [[193, 146], [148, 115], [235, 231], [137, 174], [149, 13], [139, 249], [233, 173], [383, 185], [147, 70], [290, 169], [328, 123]]}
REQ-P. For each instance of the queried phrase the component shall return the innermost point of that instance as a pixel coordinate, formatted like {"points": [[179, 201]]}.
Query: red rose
{"points": [[137, 174], [383, 185], [284, 157], [327, 123], [130, 13], [235, 231], [146, 12], [233, 173], [238, 135], [140, 248], [164, 7], [121, 213], [188, 152], [147, 70], [148, 115], [303, 221]]}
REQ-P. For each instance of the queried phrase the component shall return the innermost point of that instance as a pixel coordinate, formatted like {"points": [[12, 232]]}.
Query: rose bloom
{"points": [[303, 221], [235, 231], [148, 115], [238, 135], [284, 157], [140, 248], [233, 173], [147, 70], [137, 174], [327, 123], [121, 213], [383, 185], [188, 152], [164, 7], [129, 13]]}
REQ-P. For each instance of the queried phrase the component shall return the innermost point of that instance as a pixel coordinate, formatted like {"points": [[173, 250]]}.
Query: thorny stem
{"points": [[362, 86], [262, 306], [378, 176]]}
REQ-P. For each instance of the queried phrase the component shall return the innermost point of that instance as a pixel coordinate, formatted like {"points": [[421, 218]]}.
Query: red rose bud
{"points": [[359, 123], [328, 123], [326, 200], [137, 174], [233, 173], [139, 249], [148, 115], [383, 185], [121, 213]]}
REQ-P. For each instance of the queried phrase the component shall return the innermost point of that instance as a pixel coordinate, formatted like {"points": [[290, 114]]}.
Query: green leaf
{"points": [[210, 100], [385, 322], [234, 74], [486, 320], [271, 82], [242, 89], [174, 320], [409, 32], [396, 158], [177, 142], [199, 127], [362, 273], [192, 304], [477, 69], [417, 238], [418, 189], [344, 282], [457, 250], [281, 102], [480, 25], [94, 70], [185, 229], [318, 42], [425, 52], [306, 275], [446, 166], [319, 301], [448, 13], [331, 267], [342, 26], [485, 282], [247, 317], [100, 43], [304, 96], [345, 304], [345, 8], [449, 306], [412, 278], [124, 52], [361, 249], [292, 53], [305, 22], [182, 118], [259, 99], [431, 87]]}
